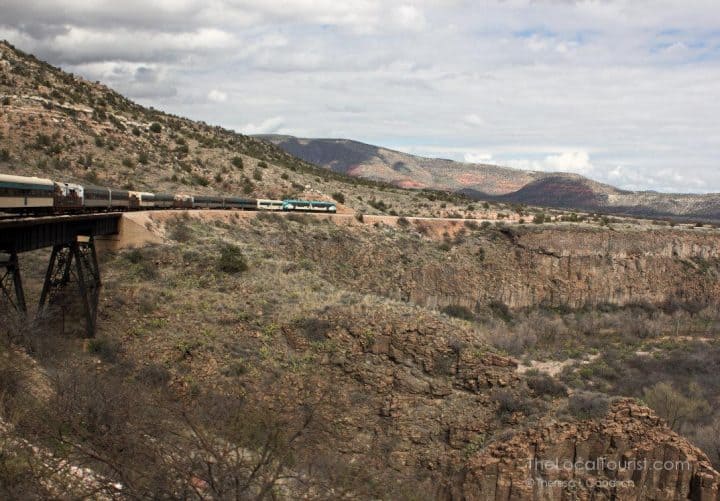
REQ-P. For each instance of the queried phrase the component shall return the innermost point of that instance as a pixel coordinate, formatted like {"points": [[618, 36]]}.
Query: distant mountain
{"points": [[491, 182]]}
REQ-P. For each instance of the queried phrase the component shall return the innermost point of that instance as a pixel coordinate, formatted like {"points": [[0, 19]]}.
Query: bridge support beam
{"points": [[11, 284], [74, 262]]}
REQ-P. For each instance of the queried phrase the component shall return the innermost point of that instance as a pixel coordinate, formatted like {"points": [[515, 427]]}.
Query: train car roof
{"points": [[7, 178], [308, 202], [241, 200]]}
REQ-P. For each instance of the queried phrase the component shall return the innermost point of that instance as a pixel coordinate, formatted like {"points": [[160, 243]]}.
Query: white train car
{"points": [[265, 204], [19, 193]]}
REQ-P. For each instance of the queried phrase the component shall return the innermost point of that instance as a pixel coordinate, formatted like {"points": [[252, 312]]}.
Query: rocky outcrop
{"points": [[556, 266], [424, 396], [630, 454]]}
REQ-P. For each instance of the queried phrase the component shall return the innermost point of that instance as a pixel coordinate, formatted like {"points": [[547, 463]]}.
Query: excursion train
{"points": [[33, 195]]}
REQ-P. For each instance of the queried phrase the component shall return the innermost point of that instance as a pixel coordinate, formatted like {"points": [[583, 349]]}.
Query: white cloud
{"points": [[569, 161], [473, 120], [478, 158], [268, 126], [577, 162], [217, 96], [410, 18]]}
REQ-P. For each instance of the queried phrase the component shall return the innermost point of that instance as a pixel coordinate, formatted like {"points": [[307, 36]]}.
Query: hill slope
{"points": [[60, 126], [480, 181]]}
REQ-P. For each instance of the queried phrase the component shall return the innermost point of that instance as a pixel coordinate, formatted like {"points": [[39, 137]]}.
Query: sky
{"points": [[623, 91]]}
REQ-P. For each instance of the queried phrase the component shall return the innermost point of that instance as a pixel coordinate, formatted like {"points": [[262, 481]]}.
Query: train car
{"points": [[141, 199], [119, 199], [25, 194], [207, 202], [308, 206], [68, 197], [240, 203], [265, 204], [164, 201], [184, 202], [97, 197]]}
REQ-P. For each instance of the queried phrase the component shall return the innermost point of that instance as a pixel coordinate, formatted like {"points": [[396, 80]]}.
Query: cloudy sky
{"points": [[623, 91]]}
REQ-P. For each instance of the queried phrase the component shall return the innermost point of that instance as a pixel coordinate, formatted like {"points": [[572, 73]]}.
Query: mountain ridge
{"points": [[492, 182]]}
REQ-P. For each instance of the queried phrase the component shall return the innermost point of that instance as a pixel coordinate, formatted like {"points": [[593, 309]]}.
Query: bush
{"points": [[237, 162], [153, 375], [403, 222], [509, 403], [314, 329], [500, 310], [673, 406], [539, 218], [135, 131], [231, 259], [155, 128], [105, 348], [4, 155], [458, 311], [180, 231], [257, 175], [339, 197], [587, 405], [143, 158], [544, 384]]}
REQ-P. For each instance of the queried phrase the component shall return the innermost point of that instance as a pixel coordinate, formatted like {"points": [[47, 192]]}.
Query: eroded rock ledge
{"points": [[543, 463]]}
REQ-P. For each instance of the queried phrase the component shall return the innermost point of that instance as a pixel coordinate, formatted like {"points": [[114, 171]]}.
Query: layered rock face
{"points": [[553, 266], [630, 455], [423, 394]]}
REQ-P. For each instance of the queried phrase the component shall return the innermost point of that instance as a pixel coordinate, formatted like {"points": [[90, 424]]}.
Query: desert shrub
{"points": [[708, 439], [674, 407], [180, 231], [544, 384], [107, 349], [359, 216], [155, 128], [509, 403], [313, 329], [539, 218], [142, 267], [135, 131], [143, 158], [339, 197], [458, 311], [237, 162], [4, 155], [199, 179], [379, 205], [257, 175], [231, 259], [403, 222], [235, 369], [500, 310], [588, 405], [514, 342], [153, 375]]}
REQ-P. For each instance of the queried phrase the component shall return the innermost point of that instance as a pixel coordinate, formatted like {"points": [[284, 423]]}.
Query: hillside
{"points": [[372, 354], [490, 182], [60, 126]]}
